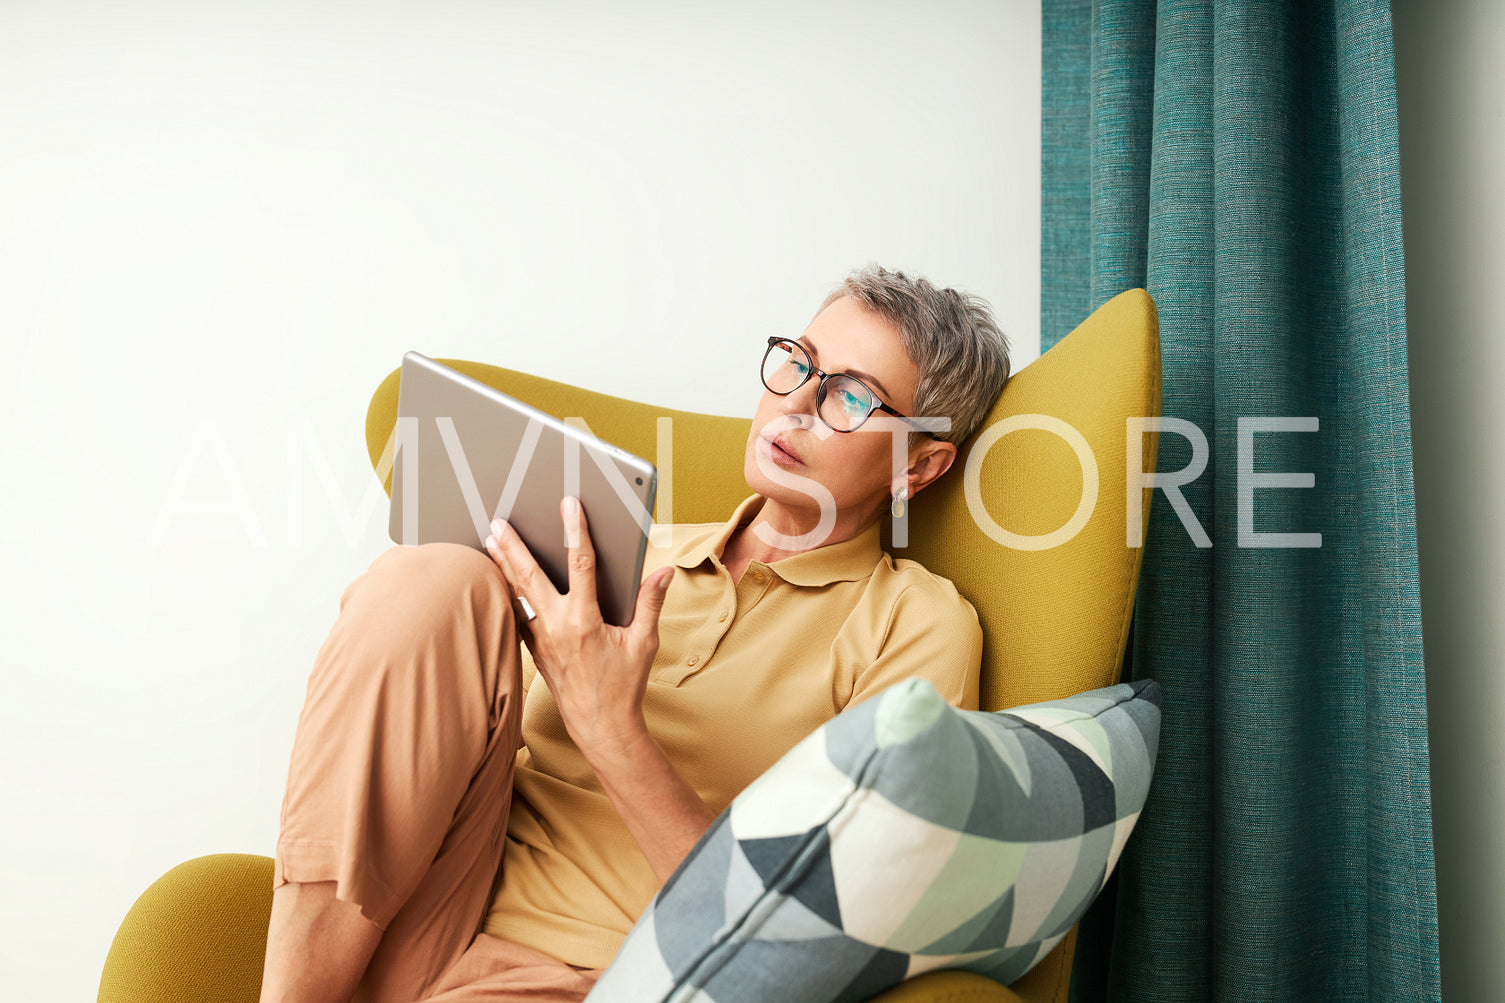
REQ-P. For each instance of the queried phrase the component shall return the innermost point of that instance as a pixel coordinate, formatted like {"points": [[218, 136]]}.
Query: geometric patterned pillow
{"points": [[903, 835]]}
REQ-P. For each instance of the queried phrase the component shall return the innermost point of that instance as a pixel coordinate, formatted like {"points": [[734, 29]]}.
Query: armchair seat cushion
{"points": [[902, 836]]}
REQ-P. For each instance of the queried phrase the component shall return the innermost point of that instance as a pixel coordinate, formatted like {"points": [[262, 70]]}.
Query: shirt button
{"points": [[693, 661], [758, 576], [722, 617]]}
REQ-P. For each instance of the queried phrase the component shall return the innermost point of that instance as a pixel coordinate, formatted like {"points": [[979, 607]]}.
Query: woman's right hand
{"points": [[598, 672]]}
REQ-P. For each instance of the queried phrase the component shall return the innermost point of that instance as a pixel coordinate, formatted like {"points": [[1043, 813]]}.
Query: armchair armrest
{"points": [[197, 934]]}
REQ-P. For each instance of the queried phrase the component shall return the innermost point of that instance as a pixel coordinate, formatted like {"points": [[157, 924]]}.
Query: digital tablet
{"points": [[467, 453]]}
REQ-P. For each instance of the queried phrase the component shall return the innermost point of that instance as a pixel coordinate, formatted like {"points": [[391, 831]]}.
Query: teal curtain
{"points": [[1239, 160]]}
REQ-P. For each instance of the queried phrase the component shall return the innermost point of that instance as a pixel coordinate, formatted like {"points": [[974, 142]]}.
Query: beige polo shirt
{"points": [[744, 671]]}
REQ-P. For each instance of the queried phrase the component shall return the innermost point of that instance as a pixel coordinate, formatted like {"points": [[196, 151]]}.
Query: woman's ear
{"points": [[930, 459]]}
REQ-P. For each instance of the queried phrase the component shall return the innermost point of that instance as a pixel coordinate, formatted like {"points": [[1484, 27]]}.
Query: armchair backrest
{"points": [[1049, 465]]}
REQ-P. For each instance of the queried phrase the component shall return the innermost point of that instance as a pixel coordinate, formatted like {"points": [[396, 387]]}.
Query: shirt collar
{"points": [[848, 561]]}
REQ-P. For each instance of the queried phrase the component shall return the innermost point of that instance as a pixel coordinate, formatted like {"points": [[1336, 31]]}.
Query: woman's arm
{"points": [[929, 631], [662, 812], [598, 674]]}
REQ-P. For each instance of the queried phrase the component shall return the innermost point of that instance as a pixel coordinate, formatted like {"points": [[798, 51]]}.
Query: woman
{"points": [[453, 831]]}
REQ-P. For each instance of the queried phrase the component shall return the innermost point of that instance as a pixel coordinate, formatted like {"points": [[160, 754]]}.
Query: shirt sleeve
{"points": [[930, 632]]}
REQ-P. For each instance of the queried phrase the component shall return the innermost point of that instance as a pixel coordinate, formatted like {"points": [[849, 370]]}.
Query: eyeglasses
{"points": [[842, 401]]}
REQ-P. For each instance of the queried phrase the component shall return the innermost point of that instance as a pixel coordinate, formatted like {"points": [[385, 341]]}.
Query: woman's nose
{"points": [[803, 399]]}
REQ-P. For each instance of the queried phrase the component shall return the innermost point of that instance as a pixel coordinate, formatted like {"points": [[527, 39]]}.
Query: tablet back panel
{"points": [[467, 453]]}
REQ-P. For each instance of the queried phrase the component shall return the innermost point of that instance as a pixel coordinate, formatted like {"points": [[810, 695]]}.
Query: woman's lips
{"points": [[779, 451]]}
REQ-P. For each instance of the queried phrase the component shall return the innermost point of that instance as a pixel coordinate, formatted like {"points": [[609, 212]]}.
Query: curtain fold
{"points": [[1239, 160]]}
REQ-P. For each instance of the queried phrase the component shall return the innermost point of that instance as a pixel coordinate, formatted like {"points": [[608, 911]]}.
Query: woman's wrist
{"points": [[609, 745]]}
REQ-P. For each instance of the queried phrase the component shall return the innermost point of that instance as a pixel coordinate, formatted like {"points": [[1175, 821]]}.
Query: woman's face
{"points": [[789, 447]]}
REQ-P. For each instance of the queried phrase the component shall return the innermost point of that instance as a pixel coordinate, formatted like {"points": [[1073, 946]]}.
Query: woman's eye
{"points": [[800, 368], [853, 404]]}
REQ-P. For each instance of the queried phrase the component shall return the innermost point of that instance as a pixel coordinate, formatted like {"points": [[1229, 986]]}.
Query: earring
{"points": [[898, 508], [900, 511]]}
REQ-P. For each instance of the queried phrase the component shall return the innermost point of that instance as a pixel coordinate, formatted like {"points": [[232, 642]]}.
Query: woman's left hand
{"points": [[597, 672]]}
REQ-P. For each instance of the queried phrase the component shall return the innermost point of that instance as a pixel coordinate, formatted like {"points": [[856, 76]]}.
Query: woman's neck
{"points": [[775, 533]]}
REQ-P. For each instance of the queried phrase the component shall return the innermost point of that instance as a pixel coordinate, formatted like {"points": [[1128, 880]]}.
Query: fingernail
{"points": [[496, 526], [571, 505]]}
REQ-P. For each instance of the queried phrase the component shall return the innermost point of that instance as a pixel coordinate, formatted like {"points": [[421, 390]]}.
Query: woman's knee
{"points": [[431, 582]]}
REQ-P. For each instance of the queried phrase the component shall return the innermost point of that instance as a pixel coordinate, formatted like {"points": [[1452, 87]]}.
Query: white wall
{"points": [[1450, 76], [224, 222]]}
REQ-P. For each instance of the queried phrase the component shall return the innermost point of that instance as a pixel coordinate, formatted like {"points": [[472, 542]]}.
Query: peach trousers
{"points": [[401, 778]]}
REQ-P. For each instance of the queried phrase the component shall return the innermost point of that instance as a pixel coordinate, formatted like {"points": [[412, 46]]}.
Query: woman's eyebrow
{"points": [[867, 378]]}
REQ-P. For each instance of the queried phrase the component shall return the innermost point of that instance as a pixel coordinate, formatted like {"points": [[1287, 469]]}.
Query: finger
{"points": [[650, 604], [581, 555], [517, 563], [494, 552]]}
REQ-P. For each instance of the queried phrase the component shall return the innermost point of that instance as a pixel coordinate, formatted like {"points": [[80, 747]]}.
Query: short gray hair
{"points": [[951, 336]]}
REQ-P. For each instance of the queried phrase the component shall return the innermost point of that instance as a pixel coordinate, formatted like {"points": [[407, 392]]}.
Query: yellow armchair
{"points": [[1032, 526]]}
